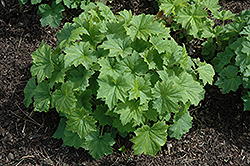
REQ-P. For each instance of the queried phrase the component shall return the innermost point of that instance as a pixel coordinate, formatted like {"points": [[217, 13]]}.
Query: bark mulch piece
{"points": [[220, 133]]}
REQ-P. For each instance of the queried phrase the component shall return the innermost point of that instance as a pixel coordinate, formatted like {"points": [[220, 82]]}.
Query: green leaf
{"points": [[79, 77], [245, 31], [100, 115], [223, 59], [182, 123], [72, 139], [113, 89], [192, 18], [117, 45], [141, 89], [69, 34], [122, 128], [143, 26], [228, 79], [79, 53], [91, 28], [109, 66], [191, 90], [159, 44], [140, 45], [58, 1], [42, 97], [151, 113], [167, 96], [126, 16], [224, 15], [60, 129], [42, 64], [57, 76], [29, 91], [51, 15], [33, 2], [185, 60], [242, 59], [234, 28], [105, 11], [99, 145], [149, 140], [172, 6], [64, 99], [246, 100], [111, 28], [87, 6], [211, 5], [83, 100], [206, 73], [134, 65], [131, 111], [72, 3], [208, 48], [246, 47], [80, 121]]}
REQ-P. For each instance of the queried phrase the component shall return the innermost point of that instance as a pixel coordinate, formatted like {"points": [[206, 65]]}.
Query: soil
{"points": [[220, 133]]}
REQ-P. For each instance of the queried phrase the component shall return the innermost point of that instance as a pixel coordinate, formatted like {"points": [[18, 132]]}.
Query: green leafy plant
{"points": [[117, 74], [233, 62], [193, 16], [51, 13], [227, 45]]}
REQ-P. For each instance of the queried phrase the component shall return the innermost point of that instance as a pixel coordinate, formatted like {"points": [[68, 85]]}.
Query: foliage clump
{"points": [[117, 74]]}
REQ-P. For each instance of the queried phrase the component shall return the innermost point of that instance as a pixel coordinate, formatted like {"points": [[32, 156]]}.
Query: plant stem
{"points": [[102, 131]]}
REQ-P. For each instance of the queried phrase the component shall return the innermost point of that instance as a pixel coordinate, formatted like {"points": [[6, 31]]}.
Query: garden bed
{"points": [[220, 134]]}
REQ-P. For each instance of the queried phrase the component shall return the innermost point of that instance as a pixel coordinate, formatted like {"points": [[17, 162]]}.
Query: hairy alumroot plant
{"points": [[117, 74]]}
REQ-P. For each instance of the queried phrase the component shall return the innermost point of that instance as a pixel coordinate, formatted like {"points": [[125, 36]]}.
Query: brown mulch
{"points": [[220, 133]]}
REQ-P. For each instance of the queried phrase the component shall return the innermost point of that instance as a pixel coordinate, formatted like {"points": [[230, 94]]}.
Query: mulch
{"points": [[220, 133]]}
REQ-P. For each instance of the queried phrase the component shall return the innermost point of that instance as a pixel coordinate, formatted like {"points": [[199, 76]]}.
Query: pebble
{"points": [[11, 156]]}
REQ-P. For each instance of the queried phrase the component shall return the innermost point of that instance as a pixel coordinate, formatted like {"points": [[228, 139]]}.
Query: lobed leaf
{"points": [[79, 53], [206, 73], [64, 99], [148, 140], [117, 45], [72, 139], [99, 145], [141, 89], [222, 59], [42, 66], [109, 66], [29, 91], [191, 90], [134, 66], [228, 79], [131, 111], [79, 77], [42, 97], [143, 26], [182, 123], [80, 121], [192, 18], [51, 15], [83, 100], [100, 115], [166, 95], [113, 89], [172, 6]]}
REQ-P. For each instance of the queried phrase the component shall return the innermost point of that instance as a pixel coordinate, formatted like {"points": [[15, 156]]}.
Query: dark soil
{"points": [[220, 133]]}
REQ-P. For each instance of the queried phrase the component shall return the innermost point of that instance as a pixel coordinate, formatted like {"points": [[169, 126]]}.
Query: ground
{"points": [[220, 133]]}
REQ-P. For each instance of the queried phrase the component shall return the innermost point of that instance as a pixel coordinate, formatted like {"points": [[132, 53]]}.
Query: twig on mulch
{"points": [[32, 120]]}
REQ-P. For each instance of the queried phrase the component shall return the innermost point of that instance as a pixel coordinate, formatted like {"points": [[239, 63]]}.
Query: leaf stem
{"points": [[102, 131]]}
